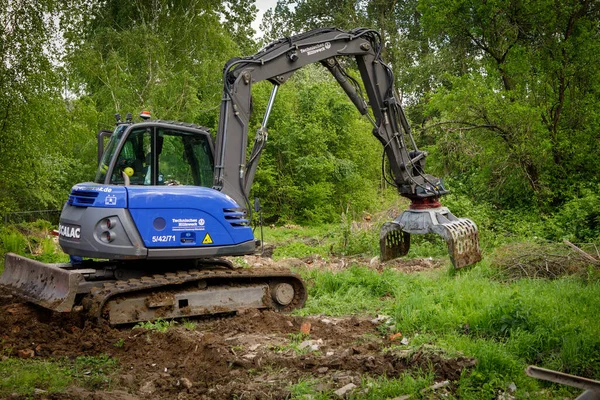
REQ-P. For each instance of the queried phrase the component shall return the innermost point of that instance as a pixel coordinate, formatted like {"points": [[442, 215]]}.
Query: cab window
{"points": [[164, 157], [134, 159], [184, 158]]}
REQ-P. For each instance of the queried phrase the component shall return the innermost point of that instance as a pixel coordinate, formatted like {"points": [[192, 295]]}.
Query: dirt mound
{"points": [[255, 355], [341, 263]]}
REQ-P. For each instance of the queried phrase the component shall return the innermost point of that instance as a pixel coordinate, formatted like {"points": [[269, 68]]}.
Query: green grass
{"points": [[505, 326], [406, 384], [162, 325], [343, 239], [158, 325], [95, 372], [189, 325], [54, 376], [297, 241], [24, 376], [552, 324], [13, 242], [306, 389]]}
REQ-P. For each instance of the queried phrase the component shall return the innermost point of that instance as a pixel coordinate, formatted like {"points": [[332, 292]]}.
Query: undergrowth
{"points": [[31, 239], [29, 377], [158, 325], [505, 326]]}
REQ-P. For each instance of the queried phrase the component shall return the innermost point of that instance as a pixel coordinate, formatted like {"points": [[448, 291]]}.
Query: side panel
{"points": [[186, 216]]}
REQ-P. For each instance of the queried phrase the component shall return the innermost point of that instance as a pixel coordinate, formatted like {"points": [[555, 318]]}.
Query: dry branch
{"points": [[541, 260]]}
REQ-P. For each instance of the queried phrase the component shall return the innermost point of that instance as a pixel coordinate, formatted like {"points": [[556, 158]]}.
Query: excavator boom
{"points": [[234, 170]]}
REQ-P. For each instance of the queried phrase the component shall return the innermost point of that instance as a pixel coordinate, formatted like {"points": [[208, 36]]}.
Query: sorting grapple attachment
{"points": [[460, 234], [47, 285], [393, 241]]}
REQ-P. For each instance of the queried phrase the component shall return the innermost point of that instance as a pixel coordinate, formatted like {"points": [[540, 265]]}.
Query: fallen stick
{"points": [[581, 252]]}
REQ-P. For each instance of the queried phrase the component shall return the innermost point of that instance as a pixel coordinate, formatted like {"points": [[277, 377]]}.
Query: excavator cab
{"points": [[154, 153]]}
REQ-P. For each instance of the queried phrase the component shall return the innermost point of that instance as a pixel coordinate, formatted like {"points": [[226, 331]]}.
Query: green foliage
{"points": [[158, 325], [31, 239], [13, 242], [504, 326], [95, 372], [321, 159], [352, 240], [518, 135], [578, 219], [24, 376]]}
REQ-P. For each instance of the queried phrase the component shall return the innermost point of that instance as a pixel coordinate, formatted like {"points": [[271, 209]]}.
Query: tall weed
{"points": [[13, 242]]}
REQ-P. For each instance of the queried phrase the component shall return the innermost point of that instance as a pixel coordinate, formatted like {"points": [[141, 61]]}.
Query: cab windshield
{"points": [[109, 152]]}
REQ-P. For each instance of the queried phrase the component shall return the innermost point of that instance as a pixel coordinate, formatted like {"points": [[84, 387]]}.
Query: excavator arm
{"points": [[235, 170]]}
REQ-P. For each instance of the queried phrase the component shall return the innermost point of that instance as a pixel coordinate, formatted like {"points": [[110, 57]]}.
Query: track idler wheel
{"points": [[282, 293]]}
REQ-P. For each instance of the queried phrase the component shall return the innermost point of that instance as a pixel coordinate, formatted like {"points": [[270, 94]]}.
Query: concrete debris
{"points": [[311, 345], [437, 386], [343, 391], [186, 383], [147, 388], [382, 319]]}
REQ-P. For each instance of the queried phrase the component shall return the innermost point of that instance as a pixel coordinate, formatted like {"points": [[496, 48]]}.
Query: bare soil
{"points": [[252, 355]]}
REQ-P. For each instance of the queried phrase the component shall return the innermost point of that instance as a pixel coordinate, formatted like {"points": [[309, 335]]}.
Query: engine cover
{"points": [[127, 222]]}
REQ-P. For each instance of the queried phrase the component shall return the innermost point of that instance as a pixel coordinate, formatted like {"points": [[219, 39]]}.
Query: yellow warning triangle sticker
{"points": [[207, 239]]}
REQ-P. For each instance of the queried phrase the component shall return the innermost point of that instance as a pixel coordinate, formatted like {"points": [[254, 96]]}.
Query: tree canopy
{"points": [[504, 94]]}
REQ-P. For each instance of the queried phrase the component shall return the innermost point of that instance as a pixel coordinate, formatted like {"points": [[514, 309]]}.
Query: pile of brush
{"points": [[544, 260]]}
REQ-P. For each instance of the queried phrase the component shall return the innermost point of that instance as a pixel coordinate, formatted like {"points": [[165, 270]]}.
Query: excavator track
{"points": [[193, 293]]}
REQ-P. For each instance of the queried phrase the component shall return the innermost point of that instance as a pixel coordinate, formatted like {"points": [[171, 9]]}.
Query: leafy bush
{"points": [[578, 219], [24, 376], [353, 239], [13, 242]]}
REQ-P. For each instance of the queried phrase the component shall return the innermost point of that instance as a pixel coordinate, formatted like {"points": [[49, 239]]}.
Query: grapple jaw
{"points": [[460, 234], [393, 241], [47, 285]]}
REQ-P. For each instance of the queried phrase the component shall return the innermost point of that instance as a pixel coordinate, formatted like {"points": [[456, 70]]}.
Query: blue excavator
{"points": [[147, 237]]}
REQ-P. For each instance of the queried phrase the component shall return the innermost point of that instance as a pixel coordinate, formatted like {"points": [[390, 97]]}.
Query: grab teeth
{"points": [[461, 234]]}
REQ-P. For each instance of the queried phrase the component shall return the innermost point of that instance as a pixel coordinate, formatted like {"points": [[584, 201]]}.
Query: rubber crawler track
{"points": [[95, 303]]}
